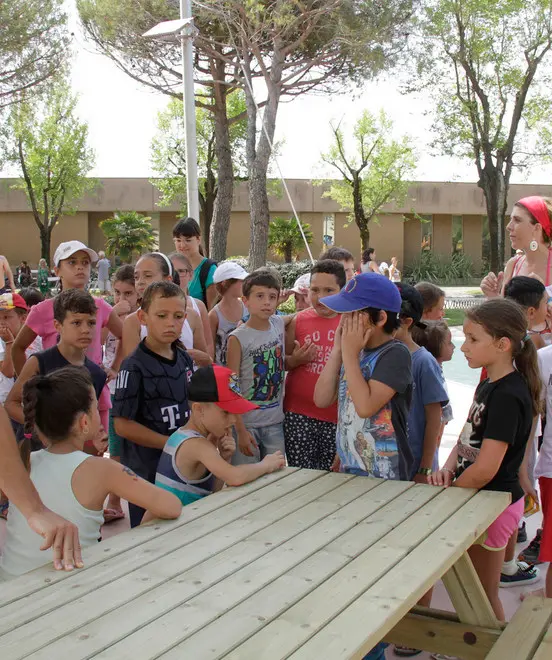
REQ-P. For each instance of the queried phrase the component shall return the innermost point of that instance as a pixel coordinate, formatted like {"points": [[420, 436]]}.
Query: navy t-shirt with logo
{"points": [[153, 391]]}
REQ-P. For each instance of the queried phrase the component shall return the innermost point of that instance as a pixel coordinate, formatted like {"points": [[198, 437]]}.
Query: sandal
{"points": [[112, 514], [4, 506]]}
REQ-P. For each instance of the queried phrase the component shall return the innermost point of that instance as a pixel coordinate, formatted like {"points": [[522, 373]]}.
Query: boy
{"points": [[428, 396], [75, 321], [256, 352], [310, 431], [151, 392], [343, 256], [531, 294], [369, 374], [13, 312], [434, 301], [195, 460]]}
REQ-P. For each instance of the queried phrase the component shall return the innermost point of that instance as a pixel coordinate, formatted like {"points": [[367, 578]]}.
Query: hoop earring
{"points": [[533, 246]]}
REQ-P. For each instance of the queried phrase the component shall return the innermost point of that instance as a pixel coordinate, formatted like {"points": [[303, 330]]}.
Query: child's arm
{"points": [[213, 324], [138, 433], [14, 402], [205, 322], [445, 476], [246, 441], [114, 324], [202, 451], [325, 390], [486, 466], [131, 334], [199, 352], [431, 438], [524, 479], [7, 363], [24, 339]]}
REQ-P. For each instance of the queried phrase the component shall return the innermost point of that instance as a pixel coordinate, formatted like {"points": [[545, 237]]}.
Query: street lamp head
{"points": [[170, 30]]}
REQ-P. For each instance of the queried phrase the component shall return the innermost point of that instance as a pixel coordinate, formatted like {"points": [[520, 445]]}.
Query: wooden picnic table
{"points": [[299, 564]]}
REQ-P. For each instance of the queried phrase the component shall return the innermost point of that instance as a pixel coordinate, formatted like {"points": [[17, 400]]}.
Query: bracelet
{"points": [[9, 342], [425, 471], [451, 472]]}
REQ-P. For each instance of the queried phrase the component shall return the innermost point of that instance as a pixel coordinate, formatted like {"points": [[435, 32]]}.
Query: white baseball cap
{"points": [[302, 284], [229, 270], [65, 250]]}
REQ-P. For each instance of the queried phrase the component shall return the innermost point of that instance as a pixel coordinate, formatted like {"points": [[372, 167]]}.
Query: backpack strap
{"points": [[203, 275]]}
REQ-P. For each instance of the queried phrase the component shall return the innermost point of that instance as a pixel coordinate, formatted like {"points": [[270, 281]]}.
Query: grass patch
{"points": [[455, 316], [475, 292]]}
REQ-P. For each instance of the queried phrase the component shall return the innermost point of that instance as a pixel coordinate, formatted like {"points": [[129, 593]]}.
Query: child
{"points": [[226, 314], [343, 256], [369, 374], [13, 313], [151, 394], [434, 301], [531, 294], [42, 277], [157, 267], [300, 292], [195, 460], [73, 261], [187, 240], [183, 266], [310, 431], [63, 407], [428, 396], [492, 445], [256, 352], [126, 302], [75, 320]]}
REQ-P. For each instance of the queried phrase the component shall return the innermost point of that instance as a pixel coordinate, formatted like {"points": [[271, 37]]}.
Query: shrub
{"points": [[430, 267]]}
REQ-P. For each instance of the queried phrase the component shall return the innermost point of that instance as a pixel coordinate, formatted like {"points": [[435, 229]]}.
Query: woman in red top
{"points": [[310, 431]]}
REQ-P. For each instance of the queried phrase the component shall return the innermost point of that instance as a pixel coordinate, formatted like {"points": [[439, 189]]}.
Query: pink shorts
{"points": [[498, 534], [545, 486]]}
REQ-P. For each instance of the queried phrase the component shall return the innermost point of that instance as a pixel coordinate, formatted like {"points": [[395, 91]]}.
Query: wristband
{"points": [[425, 471], [451, 472]]}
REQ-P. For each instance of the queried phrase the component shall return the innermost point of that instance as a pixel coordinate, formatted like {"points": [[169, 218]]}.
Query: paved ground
{"points": [[460, 291]]}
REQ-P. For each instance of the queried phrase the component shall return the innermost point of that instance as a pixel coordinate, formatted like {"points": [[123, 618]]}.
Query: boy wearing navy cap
{"points": [[369, 375]]}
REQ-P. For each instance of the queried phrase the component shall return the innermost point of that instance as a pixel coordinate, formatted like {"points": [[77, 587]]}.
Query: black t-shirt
{"points": [[501, 410], [153, 391], [51, 359]]}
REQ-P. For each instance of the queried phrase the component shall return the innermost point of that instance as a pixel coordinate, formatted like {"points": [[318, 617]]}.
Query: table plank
{"points": [[122, 578], [405, 511], [44, 577], [292, 623], [301, 528], [544, 652], [389, 599]]}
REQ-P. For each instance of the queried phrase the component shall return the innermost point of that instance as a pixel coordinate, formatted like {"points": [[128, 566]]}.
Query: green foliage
{"points": [[168, 149], [455, 317], [288, 307], [431, 267], [127, 234], [374, 172], [289, 272], [32, 46], [47, 143], [285, 239]]}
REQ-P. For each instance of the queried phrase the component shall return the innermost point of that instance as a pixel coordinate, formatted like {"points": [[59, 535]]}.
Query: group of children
{"points": [[197, 391]]}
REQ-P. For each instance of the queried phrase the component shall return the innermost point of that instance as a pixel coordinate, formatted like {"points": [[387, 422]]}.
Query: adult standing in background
{"points": [[6, 274], [368, 261], [103, 266]]}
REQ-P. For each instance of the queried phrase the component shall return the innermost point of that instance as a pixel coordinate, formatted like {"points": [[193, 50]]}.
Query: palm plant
{"points": [[128, 233], [285, 239]]}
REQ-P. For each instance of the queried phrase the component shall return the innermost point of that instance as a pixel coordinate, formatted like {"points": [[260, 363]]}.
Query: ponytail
{"points": [[526, 363], [30, 397]]}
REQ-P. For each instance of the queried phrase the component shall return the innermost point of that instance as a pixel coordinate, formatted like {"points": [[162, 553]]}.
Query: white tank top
{"points": [[186, 336], [51, 474]]}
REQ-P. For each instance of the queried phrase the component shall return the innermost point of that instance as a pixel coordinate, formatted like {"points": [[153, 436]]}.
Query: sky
{"points": [[122, 114]]}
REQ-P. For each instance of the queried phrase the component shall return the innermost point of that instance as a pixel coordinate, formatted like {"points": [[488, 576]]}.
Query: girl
{"points": [[394, 272], [434, 301], [42, 277], [196, 458], [63, 407], [187, 240], [368, 262], [529, 230], [492, 445], [226, 314], [183, 267], [151, 394], [126, 302], [156, 267], [73, 261]]}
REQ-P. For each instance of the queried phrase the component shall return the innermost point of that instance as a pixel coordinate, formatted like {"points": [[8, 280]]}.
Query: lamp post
{"points": [[184, 29]]}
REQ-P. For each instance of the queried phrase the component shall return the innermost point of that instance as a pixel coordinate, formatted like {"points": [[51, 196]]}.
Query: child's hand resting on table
{"points": [[443, 477]]}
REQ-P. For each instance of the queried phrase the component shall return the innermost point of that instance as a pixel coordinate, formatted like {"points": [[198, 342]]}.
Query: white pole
{"points": [[192, 192]]}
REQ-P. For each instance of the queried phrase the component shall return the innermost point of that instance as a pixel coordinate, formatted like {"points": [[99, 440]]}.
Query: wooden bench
{"points": [[528, 636]]}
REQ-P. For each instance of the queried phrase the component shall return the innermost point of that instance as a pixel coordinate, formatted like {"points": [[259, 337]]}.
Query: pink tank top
{"points": [[520, 261], [300, 382]]}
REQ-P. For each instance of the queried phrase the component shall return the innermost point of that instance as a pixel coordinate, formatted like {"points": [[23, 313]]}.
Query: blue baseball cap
{"points": [[365, 290]]}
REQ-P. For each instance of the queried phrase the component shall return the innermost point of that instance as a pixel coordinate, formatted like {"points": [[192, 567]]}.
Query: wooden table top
{"points": [[300, 563]]}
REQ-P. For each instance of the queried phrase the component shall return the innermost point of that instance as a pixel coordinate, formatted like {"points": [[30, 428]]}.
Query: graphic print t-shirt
{"points": [[501, 410], [378, 445], [152, 391], [262, 371]]}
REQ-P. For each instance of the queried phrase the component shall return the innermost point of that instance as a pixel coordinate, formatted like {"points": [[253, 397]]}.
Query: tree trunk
{"points": [[45, 243], [364, 237], [207, 200], [358, 209], [288, 253], [495, 188], [260, 219]]}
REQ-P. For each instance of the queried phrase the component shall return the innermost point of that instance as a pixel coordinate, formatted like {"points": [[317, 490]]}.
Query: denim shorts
{"points": [[268, 438]]}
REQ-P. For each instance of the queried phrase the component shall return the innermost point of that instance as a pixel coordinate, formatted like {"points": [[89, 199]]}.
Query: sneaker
{"points": [[405, 651], [522, 533], [525, 574], [531, 553]]}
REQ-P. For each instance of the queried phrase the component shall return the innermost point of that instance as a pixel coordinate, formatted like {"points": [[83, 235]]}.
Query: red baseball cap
{"points": [[12, 301], [216, 384]]}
